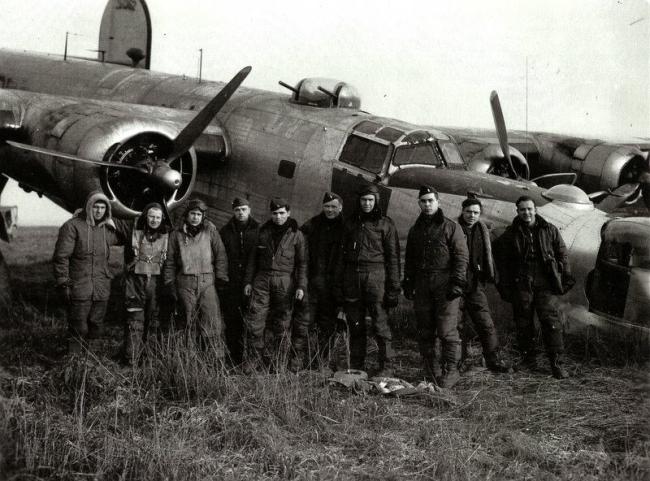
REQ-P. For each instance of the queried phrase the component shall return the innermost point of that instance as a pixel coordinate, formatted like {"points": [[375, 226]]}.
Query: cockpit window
{"points": [[423, 154], [364, 153], [450, 151]]}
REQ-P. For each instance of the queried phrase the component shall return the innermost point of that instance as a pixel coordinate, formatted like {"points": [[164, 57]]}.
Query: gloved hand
{"points": [[454, 291], [64, 292], [248, 290], [568, 281], [391, 300], [409, 291], [341, 320]]}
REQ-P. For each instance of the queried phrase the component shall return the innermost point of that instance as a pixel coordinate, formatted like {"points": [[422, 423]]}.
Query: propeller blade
{"points": [[197, 125], [63, 155], [502, 132]]}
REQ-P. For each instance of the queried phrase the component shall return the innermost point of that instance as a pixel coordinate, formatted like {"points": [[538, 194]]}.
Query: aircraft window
{"points": [[364, 154], [367, 127], [390, 134], [625, 244], [417, 154], [286, 169], [450, 152]]}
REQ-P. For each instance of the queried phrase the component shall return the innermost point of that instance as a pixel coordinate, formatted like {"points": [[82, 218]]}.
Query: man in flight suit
{"points": [[276, 277], [144, 258], [534, 269], [239, 236], [196, 261], [480, 271], [435, 278], [323, 233], [367, 276], [81, 268]]}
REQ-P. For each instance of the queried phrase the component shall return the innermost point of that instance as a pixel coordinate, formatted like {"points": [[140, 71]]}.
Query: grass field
{"points": [[179, 417]]}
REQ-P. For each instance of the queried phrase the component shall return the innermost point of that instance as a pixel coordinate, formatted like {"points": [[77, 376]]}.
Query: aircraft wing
{"points": [[66, 147]]}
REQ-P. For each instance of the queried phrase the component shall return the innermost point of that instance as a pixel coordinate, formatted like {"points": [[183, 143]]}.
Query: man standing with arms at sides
{"points": [[323, 233], [367, 278], [435, 278], [81, 259], [480, 271], [239, 236], [196, 261], [534, 269], [144, 258], [276, 277]]}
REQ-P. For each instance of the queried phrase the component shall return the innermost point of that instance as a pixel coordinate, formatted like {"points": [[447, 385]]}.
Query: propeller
{"points": [[502, 132], [146, 159]]}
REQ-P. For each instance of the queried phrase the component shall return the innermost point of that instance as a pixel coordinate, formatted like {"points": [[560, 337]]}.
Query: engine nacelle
{"points": [[492, 161], [110, 134], [605, 166]]}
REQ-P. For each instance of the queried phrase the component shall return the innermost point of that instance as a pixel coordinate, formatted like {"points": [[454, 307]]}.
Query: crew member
{"points": [[239, 236], [533, 266], [480, 271], [323, 233], [435, 278], [81, 268], [368, 273], [276, 278], [144, 258], [196, 260]]}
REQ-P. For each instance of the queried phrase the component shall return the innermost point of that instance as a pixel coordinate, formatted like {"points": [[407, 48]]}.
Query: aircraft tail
{"points": [[125, 33]]}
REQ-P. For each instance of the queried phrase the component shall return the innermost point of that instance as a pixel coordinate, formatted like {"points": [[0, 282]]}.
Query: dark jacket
{"points": [[481, 262], [290, 255], [324, 240], [369, 241], [436, 244], [239, 246], [208, 242], [511, 251], [82, 253]]}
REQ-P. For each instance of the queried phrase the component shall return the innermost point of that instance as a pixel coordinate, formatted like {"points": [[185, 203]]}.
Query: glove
{"points": [[409, 291], [390, 301], [568, 281], [64, 292], [454, 291], [341, 321]]}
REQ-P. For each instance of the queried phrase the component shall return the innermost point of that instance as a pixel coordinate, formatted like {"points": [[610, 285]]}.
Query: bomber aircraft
{"points": [[69, 126]]}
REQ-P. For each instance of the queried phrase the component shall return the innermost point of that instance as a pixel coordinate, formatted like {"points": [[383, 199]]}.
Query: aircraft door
{"points": [[619, 286]]}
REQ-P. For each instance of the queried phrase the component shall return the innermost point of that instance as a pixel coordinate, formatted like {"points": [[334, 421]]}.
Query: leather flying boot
{"points": [[529, 360], [450, 377], [495, 364], [557, 368]]}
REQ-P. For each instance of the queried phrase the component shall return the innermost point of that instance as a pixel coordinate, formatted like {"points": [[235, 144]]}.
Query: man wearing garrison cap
{"points": [[323, 233], [276, 277], [239, 235], [434, 278], [367, 278]]}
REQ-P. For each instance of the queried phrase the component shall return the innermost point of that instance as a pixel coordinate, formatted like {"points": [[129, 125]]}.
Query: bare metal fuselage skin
{"points": [[262, 131]]}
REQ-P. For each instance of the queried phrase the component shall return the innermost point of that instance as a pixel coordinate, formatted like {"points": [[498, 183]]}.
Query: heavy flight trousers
{"points": [[271, 304], [474, 307], [363, 289], [199, 304], [143, 303], [436, 317], [542, 301]]}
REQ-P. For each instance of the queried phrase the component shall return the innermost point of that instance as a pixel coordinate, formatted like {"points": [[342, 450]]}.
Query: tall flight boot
{"points": [[385, 358], [133, 337], [450, 355], [358, 351], [496, 364], [557, 366]]}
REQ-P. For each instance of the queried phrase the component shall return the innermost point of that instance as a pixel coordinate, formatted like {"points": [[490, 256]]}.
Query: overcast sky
{"points": [[426, 62]]}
